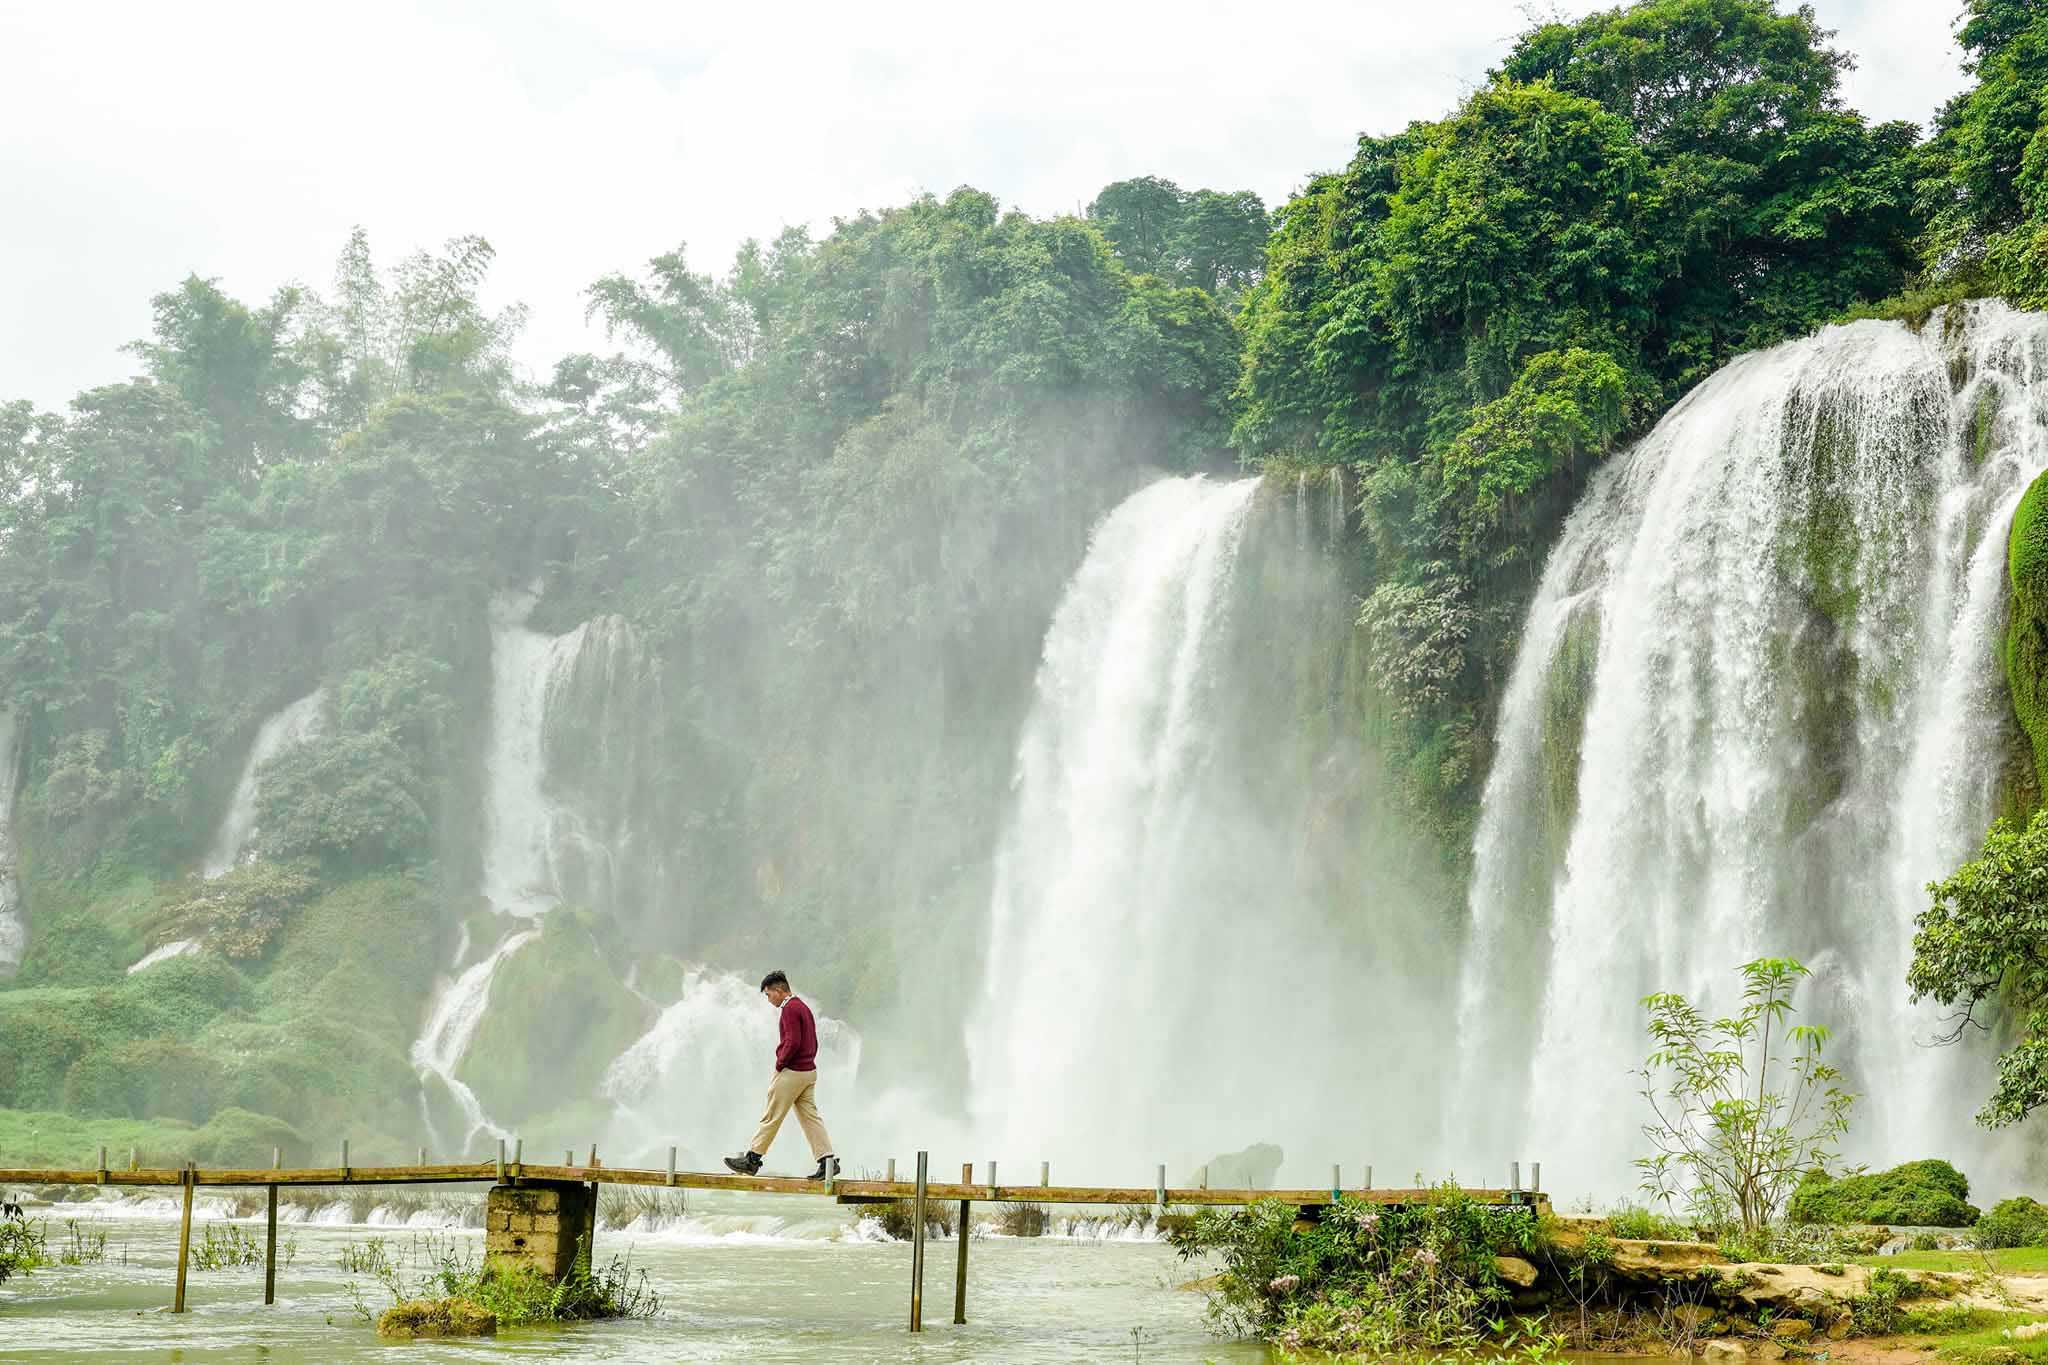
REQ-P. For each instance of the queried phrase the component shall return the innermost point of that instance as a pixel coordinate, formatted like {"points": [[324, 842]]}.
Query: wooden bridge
{"points": [[542, 1216]]}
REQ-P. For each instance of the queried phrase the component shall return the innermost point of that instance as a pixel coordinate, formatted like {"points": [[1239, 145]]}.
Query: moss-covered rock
{"points": [[437, 1318], [2026, 639], [558, 1015], [1927, 1193]]}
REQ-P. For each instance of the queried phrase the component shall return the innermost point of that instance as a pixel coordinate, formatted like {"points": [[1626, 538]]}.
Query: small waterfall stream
{"points": [[13, 927], [439, 1050], [294, 725], [1756, 708]]}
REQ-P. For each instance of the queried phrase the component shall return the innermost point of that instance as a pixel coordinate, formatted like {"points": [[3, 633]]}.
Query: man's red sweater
{"points": [[798, 1050]]}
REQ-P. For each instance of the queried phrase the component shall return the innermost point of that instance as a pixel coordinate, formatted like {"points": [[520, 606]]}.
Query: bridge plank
{"points": [[844, 1191]]}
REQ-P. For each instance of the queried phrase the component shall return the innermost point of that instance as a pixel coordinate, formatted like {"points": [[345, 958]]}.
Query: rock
{"points": [[2030, 1331], [1643, 1260], [437, 1318], [1515, 1271], [1254, 1168], [1692, 1316], [1791, 1329], [1723, 1352], [1204, 1285], [1838, 1330], [1770, 1350]]}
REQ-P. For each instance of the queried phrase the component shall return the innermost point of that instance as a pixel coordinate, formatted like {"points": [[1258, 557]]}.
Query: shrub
{"points": [[1918, 1194], [1022, 1220], [23, 1245], [147, 1078], [1644, 1224], [2018, 1222], [1364, 1277], [240, 913], [898, 1218]]}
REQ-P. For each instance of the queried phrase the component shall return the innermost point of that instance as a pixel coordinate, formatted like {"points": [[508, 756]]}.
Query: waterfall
{"points": [[522, 822], [1338, 514], [1757, 706], [452, 1022], [294, 725], [13, 924], [697, 1077], [1301, 508], [1151, 946]]}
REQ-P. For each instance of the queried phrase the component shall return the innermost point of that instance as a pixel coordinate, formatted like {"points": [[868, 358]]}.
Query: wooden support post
{"points": [[1045, 1173], [1162, 1187], [423, 1156], [1336, 1182], [960, 1271], [992, 1180], [1535, 1177], [593, 1156], [1514, 1178], [917, 1250], [569, 1157], [103, 1163], [344, 1158], [588, 1257], [270, 1234], [184, 1241], [131, 1158], [671, 1165], [501, 1161], [518, 1156], [892, 1170], [1368, 1178]]}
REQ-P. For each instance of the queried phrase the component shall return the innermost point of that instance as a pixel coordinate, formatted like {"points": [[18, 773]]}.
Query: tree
{"points": [[1141, 218], [1206, 239], [1985, 937], [1741, 1107]]}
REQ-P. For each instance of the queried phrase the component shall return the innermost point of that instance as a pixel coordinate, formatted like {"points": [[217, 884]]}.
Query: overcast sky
{"points": [[140, 142]]}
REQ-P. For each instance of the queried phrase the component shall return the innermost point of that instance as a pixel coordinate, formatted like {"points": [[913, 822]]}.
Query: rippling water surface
{"points": [[736, 1282]]}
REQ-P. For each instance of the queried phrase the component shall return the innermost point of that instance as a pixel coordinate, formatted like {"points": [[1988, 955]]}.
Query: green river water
{"points": [[737, 1283]]}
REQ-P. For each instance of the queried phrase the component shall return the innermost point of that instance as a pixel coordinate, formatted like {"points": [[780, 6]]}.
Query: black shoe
{"points": [[746, 1163], [828, 1168]]}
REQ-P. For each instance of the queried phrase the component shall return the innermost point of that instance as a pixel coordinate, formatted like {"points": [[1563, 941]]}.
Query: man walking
{"points": [[794, 1087]]}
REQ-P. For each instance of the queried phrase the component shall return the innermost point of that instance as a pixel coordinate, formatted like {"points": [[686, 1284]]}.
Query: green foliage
{"points": [[1363, 1277], [517, 1297], [1741, 1106], [1875, 1312], [2026, 637], [1985, 933], [1636, 1222], [2016, 1222], [1985, 178], [1204, 239], [354, 802], [1917, 1194], [239, 913], [24, 1246], [1476, 309], [226, 1246]]}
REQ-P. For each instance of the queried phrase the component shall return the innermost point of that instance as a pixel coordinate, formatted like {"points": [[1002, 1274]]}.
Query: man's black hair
{"points": [[774, 979]]}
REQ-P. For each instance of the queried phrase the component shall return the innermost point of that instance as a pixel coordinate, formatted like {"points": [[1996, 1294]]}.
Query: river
{"points": [[736, 1283]]}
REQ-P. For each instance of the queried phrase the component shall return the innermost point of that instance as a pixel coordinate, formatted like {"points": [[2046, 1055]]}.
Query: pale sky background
{"points": [[140, 142]]}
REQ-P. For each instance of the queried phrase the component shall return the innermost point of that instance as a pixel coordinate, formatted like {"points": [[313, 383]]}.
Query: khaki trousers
{"points": [[793, 1090]]}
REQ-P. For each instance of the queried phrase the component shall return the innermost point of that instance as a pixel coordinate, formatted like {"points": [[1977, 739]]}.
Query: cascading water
{"points": [[522, 823], [13, 928], [1756, 708], [294, 725], [696, 1079], [439, 1050], [1153, 940]]}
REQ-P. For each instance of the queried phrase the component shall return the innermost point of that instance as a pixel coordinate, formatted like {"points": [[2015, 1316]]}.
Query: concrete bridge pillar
{"points": [[539, 1225]]}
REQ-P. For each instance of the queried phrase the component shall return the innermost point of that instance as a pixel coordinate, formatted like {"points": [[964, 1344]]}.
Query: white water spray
{"points": [[294, 725], [1777, 617], [698, 1076], [1135, 862], [441, 1046]]}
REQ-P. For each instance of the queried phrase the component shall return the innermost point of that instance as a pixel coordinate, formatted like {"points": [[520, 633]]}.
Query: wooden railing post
{"points": [[917, 1250], [960, 1271], [270, 1233], [184, 1240]]}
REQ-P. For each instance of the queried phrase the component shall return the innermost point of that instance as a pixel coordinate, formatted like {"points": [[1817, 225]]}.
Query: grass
{"points": [[2009, 1261], [1982, 1341], [620, 1206], [449, 1271]]}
